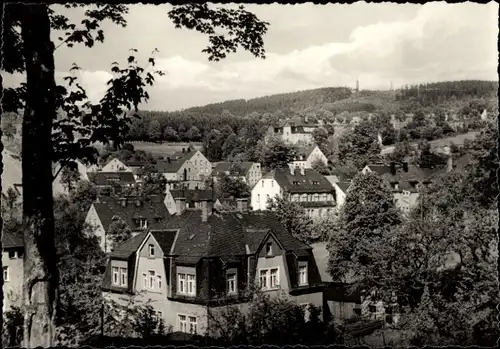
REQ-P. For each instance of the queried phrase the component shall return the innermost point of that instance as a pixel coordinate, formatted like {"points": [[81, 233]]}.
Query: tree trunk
{"points": [[40, 267]]}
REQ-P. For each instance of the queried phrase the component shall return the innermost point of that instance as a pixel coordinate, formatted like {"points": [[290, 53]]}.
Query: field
{"points": [[440, 143], [162, 149]]}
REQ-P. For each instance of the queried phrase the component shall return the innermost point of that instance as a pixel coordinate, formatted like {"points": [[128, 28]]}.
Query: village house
{"points": [[115, 182], [248, 172], [115, 165], [13, 269], [307, 187], [295, 131], [405, 181], [203, 260], [138, 213], [192, 198], [188, 165], [308, 155]]}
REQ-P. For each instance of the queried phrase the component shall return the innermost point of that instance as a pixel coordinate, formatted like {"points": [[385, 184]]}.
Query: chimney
{"points": [[189, 150], [180, 205], [123, 202], [168, 159], [302, 171], [405, 166], [183, 150], [449, 163], [204, 210], [242, 204], [393, 168]]}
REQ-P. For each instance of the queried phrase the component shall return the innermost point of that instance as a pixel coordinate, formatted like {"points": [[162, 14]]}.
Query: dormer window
{"points": [[142, 223], [303, 279], [315, 182], [231, 283], [151, 250], [269, 249]]}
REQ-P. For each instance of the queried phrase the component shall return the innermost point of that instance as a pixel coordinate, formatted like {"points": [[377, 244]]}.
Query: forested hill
{"points": [[270, 104]]}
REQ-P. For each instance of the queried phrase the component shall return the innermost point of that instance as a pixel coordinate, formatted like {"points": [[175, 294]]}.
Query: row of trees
{"points": [[439, 263]]}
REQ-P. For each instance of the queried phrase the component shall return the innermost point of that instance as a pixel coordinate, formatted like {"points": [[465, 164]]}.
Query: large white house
{"points": [[307, 187]]}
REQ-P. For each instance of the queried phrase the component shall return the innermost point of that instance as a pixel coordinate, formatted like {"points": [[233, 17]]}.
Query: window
{"points": [[269, 249], [182, 323], [182, 283], [151, 250], [231, 283], [258, 198], [262, 184], [123, 276], [372, 308], [116, 271], [12, 254], [303, 274], [191, 286], [158, 280], [159, 314], [269, 278], [274, 278], [143, 223], [193, 325], [263, 278], [152, 275], [145, 280], [272, 184], [5, 273]]}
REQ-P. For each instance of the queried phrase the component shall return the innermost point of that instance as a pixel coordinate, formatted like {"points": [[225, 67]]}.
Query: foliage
{"points": [[118, 232], [233, 186], [360, 146], [12, 334], [320, 136], [320, 167], [9, 129], [275, 153], [69, 176], [269, 320], [427, 158], [365, 221], [294, 218], [403, 152]]}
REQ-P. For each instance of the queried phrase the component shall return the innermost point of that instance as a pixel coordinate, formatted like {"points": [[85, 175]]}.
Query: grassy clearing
{"points": [[162, 149]]}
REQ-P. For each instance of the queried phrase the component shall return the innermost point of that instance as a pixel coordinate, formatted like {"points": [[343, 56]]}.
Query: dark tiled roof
{"points": [[12, 239], [176, 161], [134, 163], [304, 151], [310, 182], [165, 239], [129, 247], [234, 168], [192, 195], [108, 178], [153, 210], [226, 234], [343, 186]]}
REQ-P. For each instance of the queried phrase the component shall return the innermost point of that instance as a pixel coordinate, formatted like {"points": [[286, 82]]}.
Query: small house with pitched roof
{"points": [[248, 172], [306, 156], [188, 165], [13, 268]]}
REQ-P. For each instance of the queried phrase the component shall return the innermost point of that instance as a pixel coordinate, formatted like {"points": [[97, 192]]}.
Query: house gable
{"points": [[115, 165], [97, 228], [170, 203]]}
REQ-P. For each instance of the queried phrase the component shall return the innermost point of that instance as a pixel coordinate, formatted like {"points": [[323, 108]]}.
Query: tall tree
{"points": [[365, 222], [275, 153], [360, 146], [154, 130], [27, 47], [320, 136], [293, 217]]}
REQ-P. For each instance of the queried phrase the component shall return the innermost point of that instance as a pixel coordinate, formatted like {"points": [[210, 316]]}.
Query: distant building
{"points": [[248, 172], [115, 165], [187, 268], [188, 165], [295, 131], [115, 182], [307, 156], [187, 198], [138, 214], [405, 181], [13, 269], [305, 186]]}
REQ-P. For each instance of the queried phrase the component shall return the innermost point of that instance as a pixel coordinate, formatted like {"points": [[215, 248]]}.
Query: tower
{"points": [[357, 85]]}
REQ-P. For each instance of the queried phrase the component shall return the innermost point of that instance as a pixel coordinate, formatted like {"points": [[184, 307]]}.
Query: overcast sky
{"points": [[308, 46]]}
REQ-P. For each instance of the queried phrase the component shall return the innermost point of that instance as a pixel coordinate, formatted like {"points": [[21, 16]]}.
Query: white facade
{"points": [[339, 195], [316, 155], [96, 228], [116, 165], [264, 189]]}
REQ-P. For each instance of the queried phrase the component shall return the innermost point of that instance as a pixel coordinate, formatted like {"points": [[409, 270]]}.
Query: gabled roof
{"points": [[234, 168], [304, 151], [107, 178], [415, 173], [128, 248], [226, 234], [109, 207], [310, 182], [12, 239], [343, 186], [175, 161]]}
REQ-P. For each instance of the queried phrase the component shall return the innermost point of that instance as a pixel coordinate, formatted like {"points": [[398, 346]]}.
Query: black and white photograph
{"points": [[224, 174]]}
